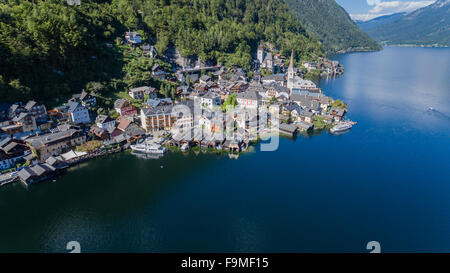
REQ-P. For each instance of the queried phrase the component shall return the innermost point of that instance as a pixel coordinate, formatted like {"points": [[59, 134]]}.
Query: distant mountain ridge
{"points": [[379, 21], [331, 25], [429, 26]]}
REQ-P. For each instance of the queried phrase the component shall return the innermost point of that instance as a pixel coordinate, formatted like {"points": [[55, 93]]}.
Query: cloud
{"points": [[389, 7], [373, 2]]}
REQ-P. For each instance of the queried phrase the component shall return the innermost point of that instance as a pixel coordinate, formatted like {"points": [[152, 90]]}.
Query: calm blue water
{"points": [[386, 180]]}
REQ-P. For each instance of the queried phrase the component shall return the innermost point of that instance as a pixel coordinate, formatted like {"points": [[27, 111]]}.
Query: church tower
{"points": [[291, 72]]}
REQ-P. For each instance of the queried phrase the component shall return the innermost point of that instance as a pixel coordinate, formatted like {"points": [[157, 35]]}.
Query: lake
{"points": [[387, 180]]}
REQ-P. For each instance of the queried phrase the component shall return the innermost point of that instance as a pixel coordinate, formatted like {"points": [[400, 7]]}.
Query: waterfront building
{"points": [[157, 118], [55, 143]]}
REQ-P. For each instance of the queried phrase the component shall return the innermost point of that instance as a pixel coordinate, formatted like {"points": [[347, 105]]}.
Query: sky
{"points": [[369, 9]]}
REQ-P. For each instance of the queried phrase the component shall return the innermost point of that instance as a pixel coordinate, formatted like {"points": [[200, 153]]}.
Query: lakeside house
{"points": [[157, 118], [11, 152], [52, 144]]}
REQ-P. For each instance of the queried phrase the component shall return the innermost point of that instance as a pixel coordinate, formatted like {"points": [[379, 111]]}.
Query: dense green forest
{"points": [[50, 50], [332, 25]]}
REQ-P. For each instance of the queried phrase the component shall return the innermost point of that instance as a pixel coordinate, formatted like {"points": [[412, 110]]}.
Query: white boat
{"points": [[343, 126], [184, 147], [148, 148]]}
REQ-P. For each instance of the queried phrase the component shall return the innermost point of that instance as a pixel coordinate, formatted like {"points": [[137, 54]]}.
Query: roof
{"points": [[103, 119], [275, 77], [210, 95], [120, 102], [205, 78], [338, 111], [42, 140], [5, 142], [288, 128], [30, 104], [20, 117], [140, 89], [249, 95], [10, 146], [307, 114], [123, 123], [163, 109], [73, 106], [72, 154]]}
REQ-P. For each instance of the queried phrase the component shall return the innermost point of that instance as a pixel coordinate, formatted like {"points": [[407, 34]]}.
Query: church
{"points": [[297, 84]]}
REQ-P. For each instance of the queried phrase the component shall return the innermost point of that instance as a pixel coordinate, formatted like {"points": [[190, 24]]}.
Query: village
{"points": [[214, 108]]}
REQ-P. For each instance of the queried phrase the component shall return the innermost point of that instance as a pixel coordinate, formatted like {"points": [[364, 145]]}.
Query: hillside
{"points": [[426, 26], [332, 25], [49, 50], [369, 25]]}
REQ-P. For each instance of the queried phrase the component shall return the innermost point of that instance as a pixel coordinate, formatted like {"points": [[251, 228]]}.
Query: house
{"points": [[104, 122], [158, 72], [139, 92], [287, 108], [37, 110], [78, 113], [157, 118], [324, 103], [124, 107], [304, 126], [85, 98], [11, 152], [288, 129], [248, 99], [205, 79], [149, 51], [276, 78], [36, 173], [306, 116], [337, 113], [54, 144], [211, 99], [99, 133], [56, 163], [133, 38], [26, 121]]}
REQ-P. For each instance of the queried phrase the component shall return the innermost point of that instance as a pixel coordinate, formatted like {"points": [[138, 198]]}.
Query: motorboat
{"points": [[148, 148], [341, 127]]}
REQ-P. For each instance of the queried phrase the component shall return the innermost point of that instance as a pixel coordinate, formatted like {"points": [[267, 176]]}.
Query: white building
{"points": [[139, 92], [248, 99], [78, 113], [105, 122], [211, 99]]}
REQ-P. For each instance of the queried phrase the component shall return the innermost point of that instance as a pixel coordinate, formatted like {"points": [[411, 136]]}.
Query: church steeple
{"points": [[291, 71]]}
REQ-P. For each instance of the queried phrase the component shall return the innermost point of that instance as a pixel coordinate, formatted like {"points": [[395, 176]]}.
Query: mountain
{"points": [[332, 25], [426, 26], [367, 26], [50, 49]]}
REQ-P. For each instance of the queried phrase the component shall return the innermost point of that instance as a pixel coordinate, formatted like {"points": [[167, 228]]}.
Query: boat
{"points": [[184, 147], [343, 126], [148, 148], [430, 108]]}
